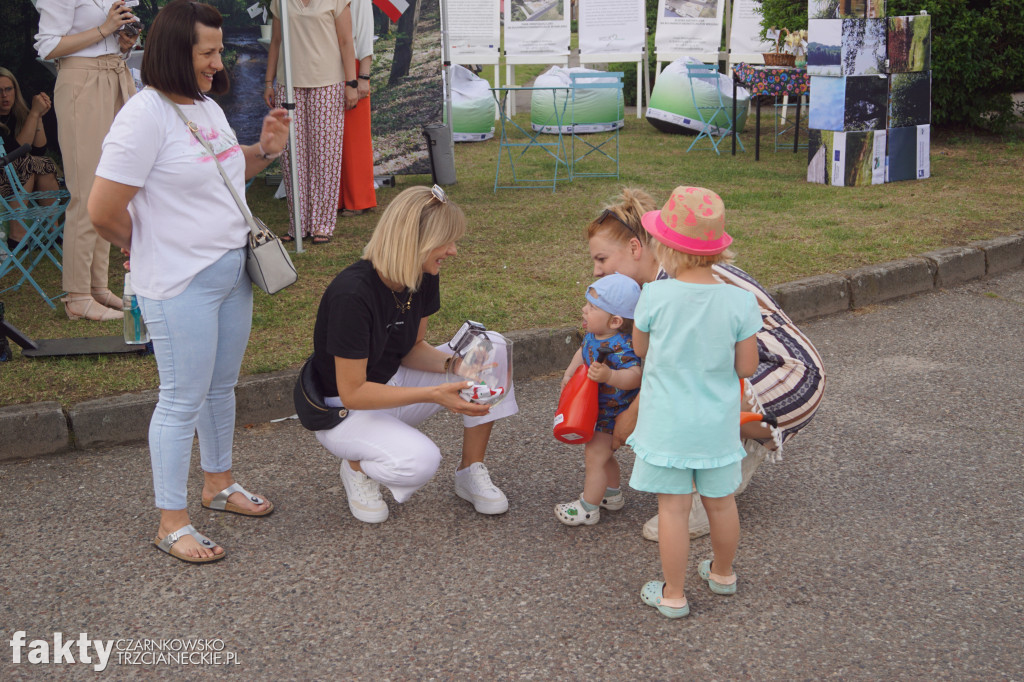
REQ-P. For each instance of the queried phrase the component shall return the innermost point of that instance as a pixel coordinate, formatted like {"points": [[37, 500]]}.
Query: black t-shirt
{"points": [[359, 318]]}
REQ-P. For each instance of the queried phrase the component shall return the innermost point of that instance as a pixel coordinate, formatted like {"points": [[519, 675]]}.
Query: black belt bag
{"points": [[313, 413]]}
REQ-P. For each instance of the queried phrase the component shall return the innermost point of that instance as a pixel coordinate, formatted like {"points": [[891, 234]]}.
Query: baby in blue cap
{"points": [[608, 323]]}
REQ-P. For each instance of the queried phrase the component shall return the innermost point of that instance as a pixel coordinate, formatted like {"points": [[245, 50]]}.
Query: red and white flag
{"points": [[392, 8]]}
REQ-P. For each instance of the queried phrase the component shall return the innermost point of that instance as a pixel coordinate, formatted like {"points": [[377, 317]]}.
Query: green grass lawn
{"points": [[524, 262]]}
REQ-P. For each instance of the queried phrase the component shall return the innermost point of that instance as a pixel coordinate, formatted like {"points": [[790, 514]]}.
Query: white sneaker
{"points": [[698, 524], [651, 529], [364, 500], [474, 485]]}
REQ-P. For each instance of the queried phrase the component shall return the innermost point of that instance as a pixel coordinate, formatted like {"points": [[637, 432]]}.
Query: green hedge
{"points": [[977, 59], [977, 55]]}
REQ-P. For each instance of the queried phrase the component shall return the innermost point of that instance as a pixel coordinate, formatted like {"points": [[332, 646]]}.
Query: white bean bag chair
{"points": [[672, 109], [596, 109], [472, 107]]}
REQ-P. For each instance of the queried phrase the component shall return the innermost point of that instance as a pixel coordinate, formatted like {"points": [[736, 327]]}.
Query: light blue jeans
{"points": [[199, 338]]}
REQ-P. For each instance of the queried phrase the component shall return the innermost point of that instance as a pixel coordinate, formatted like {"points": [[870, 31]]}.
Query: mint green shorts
{"points": [[717, 482]]}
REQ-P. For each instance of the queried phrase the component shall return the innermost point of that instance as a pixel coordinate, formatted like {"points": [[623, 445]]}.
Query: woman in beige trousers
{"points": [[93, 82]]}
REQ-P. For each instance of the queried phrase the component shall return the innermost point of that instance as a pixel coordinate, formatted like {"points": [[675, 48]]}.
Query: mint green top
{"points": [[690, 393]]}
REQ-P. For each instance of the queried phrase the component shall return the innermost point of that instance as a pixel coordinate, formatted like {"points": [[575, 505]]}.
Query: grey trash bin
{"points": [[442, 159]]}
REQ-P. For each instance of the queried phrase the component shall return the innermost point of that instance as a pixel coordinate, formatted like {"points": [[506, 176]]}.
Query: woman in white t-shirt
{"points": [[159, 194]]}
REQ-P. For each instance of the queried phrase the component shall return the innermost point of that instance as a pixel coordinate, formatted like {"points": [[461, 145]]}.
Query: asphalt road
{"points": [[887, 544]]}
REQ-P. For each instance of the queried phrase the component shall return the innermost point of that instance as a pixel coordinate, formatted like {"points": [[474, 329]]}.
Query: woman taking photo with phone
{"points": [[93, 83]]}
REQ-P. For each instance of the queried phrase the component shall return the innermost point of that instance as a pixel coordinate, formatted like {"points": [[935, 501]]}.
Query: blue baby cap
{"points": [[616, 294]]}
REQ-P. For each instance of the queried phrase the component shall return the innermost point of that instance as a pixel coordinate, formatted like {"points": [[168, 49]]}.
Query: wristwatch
{"points": [[354, 83]]}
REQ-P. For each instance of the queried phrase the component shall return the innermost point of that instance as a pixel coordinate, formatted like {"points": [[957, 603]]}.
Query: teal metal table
{"points": [[516, 141]]}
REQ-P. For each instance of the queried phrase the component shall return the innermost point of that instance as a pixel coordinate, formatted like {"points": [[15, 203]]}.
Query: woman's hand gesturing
{"points": [[274, 135]]}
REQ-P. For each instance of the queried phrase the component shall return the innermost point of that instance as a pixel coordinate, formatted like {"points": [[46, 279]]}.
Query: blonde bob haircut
{"points": [[412, 226], [673, 261]]}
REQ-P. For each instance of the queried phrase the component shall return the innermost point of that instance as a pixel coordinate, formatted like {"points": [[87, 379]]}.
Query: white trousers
{"points": [[387, 444]]}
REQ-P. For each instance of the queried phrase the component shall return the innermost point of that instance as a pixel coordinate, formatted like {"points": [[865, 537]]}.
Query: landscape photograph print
{"points": [[828, 103], [910, 99], [691, 9], [825, 47], [910, 43], [537, 10], [863, 42], [842, 9], [859, 155], [819, 156], [865, 103], [901, 152]]}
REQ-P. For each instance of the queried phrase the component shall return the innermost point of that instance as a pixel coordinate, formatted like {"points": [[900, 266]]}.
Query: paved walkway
{"points": [[887, 544]]}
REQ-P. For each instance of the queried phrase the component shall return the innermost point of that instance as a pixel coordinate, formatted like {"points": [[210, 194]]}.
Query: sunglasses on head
{"points": [[439, 194], [609, 213]]}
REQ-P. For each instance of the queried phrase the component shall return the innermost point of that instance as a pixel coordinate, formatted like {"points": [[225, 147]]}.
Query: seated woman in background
{"points": [[21, 124]]}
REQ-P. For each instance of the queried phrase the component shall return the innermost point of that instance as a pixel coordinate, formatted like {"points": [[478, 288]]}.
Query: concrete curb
{"points": [[36, 429]]}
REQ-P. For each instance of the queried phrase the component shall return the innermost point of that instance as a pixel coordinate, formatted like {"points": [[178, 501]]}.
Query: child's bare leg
{"points": [[674, 543], [724, 520], [612, 474], [597, 454]]}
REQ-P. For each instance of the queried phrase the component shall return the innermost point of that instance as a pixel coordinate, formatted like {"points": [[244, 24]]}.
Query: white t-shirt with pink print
{"points": [[183, 216]]}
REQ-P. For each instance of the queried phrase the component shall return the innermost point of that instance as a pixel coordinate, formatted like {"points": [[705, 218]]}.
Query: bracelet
{"points": [[363, 78], [448, 362], [103, 37], [264, 155]]}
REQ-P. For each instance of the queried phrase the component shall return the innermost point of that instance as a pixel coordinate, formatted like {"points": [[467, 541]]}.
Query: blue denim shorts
{"points": [[717, 482]]}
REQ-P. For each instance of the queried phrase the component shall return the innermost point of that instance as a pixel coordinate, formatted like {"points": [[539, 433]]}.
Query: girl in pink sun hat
{"points": [[696, 336]]}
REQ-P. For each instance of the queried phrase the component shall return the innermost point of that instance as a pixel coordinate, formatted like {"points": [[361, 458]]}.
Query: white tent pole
{"points": [[289, 104], [446, 65], [728, 36]]}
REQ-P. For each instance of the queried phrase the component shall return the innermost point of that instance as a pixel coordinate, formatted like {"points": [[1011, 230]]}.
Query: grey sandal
{"points": [[167, 545], [220, 502]]}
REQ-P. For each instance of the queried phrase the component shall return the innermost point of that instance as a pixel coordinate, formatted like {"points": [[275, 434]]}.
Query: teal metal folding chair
{"points": [[607, 149], [789, 123], [715, 116], [515, 140], [39, 213]]}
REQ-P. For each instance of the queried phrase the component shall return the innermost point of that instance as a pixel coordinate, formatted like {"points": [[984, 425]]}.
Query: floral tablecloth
{"points": [[772, 80]]}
